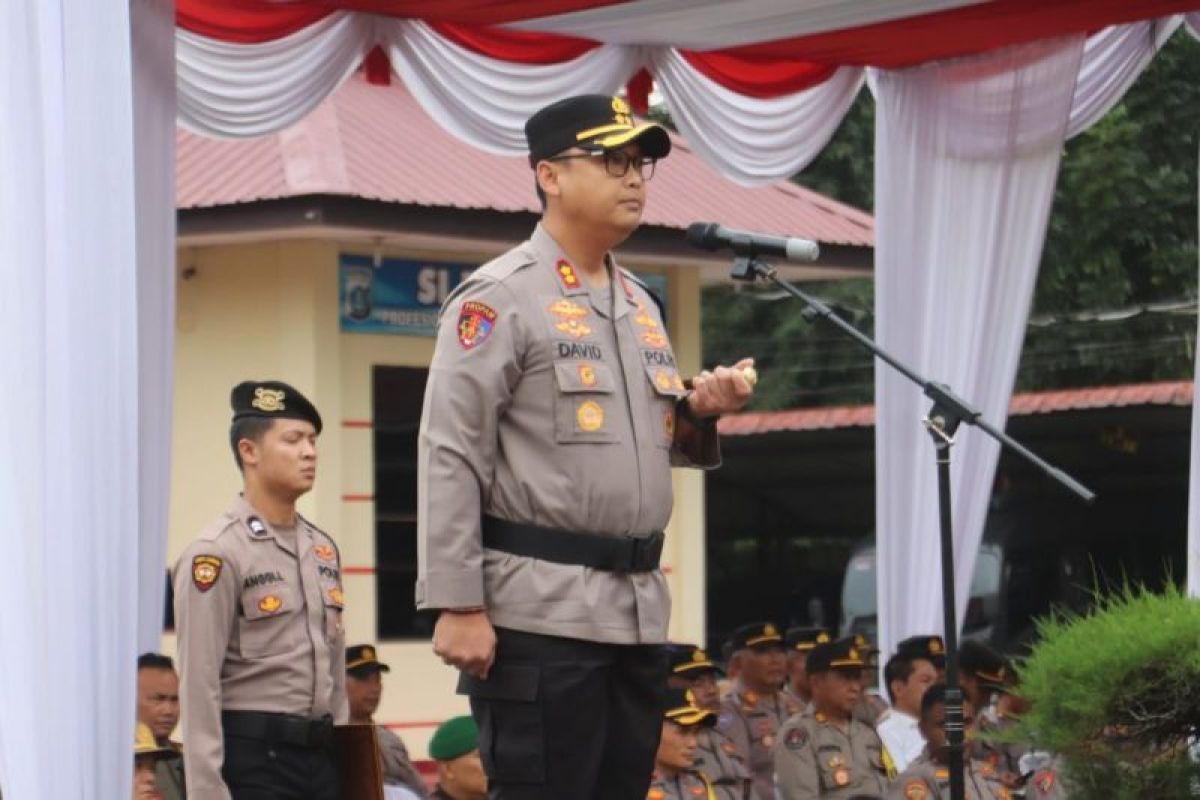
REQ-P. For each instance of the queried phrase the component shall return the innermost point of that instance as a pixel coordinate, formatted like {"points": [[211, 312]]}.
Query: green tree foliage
{"points": [[1121, 238], [1114, 694]]}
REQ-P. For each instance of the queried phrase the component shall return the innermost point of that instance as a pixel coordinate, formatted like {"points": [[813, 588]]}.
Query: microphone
{"points": [[711, 236]]}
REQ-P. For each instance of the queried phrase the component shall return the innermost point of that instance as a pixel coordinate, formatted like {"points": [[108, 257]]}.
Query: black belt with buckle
{"points": [[279, 728], [610, 553]]}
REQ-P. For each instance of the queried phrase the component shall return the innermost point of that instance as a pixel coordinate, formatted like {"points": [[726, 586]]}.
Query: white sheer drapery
{"points": [[485, 101], [153, 48], [232, 89], [966, 158], [753, 141], [69, 352]]}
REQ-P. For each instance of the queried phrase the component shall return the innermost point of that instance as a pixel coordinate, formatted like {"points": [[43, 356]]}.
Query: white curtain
{"points": [[485, 101], [753, 141], [233, 89], [69, 356], [153, 48], [966, 158], [1112, 60]]}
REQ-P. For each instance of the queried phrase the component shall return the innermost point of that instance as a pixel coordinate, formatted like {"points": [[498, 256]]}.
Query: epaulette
{"points": [[505, 265]]}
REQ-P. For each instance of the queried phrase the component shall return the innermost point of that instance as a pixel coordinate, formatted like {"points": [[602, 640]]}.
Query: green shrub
{"points": [[1117, 695]]}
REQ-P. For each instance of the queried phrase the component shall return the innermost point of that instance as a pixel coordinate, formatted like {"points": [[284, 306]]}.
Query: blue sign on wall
{"points": [[399, 296], [403, 297]]}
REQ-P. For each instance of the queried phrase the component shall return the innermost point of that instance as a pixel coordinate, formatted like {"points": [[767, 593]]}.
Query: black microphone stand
{"points": [[947, 413]]}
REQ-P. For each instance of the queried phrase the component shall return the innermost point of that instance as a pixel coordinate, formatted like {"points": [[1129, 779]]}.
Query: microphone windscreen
{"points": [[701, 235]]}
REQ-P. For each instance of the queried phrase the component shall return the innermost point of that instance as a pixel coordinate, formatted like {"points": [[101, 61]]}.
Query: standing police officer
{"points": [[258, 612], [553, 413], [757, 707], [825, 752]]}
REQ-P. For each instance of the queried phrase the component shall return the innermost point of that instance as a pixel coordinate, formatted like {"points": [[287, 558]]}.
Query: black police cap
{"points": [[842, 654], [272, 400], [593, 122], [363, 659], [689, 660], [927, 647], [756, 634], [679, 706], [805, 639]]}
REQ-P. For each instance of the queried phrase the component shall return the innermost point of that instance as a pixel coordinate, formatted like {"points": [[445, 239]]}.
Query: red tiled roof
{"points": [[1174, 393], [376, 142]]}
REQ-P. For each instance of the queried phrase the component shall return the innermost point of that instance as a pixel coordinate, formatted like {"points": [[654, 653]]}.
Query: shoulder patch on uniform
{"points": [[476, 321], [915, 790], [1044, 781], [205, 571], [795, 739]]}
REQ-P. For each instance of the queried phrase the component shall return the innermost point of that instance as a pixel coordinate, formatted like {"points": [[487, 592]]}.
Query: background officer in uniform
{"points": [[757, 706], [364, 690], [676, 776], [158, 710], [928, 776], [258, 613], [825, 752], [455, 748], [799, 642], [553, 413], [689, 668], [929, 647], [907, 679]]}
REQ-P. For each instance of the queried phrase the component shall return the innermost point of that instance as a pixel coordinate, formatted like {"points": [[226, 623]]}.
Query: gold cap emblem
{"points": [[935, 646], [699, 656], [853, 654], [368, 653], [621, 112], [269, 400], [822, 637], [769, 630]]}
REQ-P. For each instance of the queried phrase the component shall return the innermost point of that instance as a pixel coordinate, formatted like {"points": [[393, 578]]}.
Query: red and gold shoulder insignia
{"points": [[1044, 781], [475, 323], [205, 571], [573, 328], [567, 309], [566, 274], [324, 552], [795, 738]]}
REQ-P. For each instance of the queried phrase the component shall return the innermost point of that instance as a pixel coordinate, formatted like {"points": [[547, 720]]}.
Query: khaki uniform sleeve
{"points": [[796, 775], [339, 702], [695, 445], [471, 382], [204, 621]]}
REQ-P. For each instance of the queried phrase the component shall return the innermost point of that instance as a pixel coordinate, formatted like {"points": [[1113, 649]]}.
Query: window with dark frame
{"points": [[397, 394]]}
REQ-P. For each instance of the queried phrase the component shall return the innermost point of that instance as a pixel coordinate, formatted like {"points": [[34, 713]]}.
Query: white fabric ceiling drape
{"points": [[966, 158], [69, 495]]}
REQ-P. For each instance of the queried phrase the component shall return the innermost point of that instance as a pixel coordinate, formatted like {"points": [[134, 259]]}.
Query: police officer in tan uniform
{"points": [[676, 775], [928, 776], [825, 752], [691, 669], [799, 642], [757, 707], [553, 413], [258, 613], [364, 690]]}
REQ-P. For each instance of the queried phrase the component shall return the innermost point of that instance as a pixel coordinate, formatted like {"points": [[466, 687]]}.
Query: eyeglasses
{"points": [[617, 162]]}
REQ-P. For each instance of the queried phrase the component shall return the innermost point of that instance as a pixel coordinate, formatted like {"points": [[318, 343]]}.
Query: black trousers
{"points": [[255, 769], [564, 718]]}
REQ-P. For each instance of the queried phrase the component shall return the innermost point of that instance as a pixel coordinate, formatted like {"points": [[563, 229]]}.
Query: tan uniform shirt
{"points": [[398, 768], [719, 759], [816, 758], [168, 776], [684, 786], [258, 614], [552, 403], [752, 722], [925, 780]]}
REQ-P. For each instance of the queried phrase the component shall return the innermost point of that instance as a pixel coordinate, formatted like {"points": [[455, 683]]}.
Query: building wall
{"points": [[270, 310]]}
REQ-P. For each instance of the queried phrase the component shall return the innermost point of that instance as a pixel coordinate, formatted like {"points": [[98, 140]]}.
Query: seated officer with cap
{"points": [[825, 752], [799, 642], [690, 668], [455, 748], [553, 414], [258, 613], [364, 690], [756, 708], [871, 707], [929, 647], [994, 683], [928, 776], [147, 753], [676, 776]]}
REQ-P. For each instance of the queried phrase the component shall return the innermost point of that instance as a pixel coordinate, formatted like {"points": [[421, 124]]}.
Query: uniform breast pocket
{"points": [[666, 387], [270, 624], [585, 403]]}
